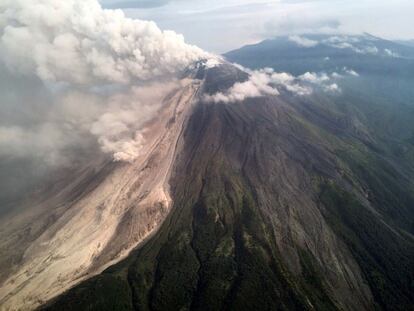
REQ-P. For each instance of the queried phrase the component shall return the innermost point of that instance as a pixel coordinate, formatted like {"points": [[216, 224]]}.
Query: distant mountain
{"points": [[379, 90], [406, 42], [296, 54], [285, 200]]}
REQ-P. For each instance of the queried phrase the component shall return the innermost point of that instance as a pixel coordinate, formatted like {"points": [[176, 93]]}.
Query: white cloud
{"points": [[265, 82], [302, 41], [259, 84], [351, 72], [368, 50], [229, 24], [332, 88], [390, 53], [322, 80], [314, 78], [354, 43], [336, 75]]}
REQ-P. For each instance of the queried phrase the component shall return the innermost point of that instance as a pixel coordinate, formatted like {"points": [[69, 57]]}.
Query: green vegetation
{"points": [[385, 257], [351, 155], [105, 292], [312, 282], [216, 254]]}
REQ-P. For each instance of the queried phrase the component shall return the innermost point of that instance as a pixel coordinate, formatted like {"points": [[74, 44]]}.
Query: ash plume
{"points": [[77, 41], [78, 80], [83, 54]]}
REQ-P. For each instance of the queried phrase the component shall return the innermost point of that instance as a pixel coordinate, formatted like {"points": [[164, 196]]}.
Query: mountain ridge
{"points": [[270, 202], [267, 214], [94, 220]]}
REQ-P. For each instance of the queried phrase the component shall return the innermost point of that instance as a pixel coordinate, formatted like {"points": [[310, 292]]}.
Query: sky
{"points": [[222, 25], [66, 94]]}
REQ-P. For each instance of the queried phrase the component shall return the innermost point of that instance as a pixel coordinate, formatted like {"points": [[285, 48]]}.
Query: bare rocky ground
{"points": [[94, 220], [256, 205]]}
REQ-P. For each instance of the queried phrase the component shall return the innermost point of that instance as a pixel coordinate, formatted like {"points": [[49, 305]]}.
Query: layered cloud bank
{"points": [[268, 82], [363, 44], [100, 77]]}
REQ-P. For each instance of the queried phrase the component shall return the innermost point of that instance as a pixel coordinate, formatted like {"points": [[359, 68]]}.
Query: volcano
{"points": [[274, 202]]}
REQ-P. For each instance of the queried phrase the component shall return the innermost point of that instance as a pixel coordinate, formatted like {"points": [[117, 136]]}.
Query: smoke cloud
{"points": [[76, 81], [77, 41], [96, 59], [120, 127]]}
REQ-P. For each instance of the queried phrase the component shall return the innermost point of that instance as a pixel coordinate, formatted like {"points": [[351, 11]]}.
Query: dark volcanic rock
{"points": [[280, 203], [270, 213]]}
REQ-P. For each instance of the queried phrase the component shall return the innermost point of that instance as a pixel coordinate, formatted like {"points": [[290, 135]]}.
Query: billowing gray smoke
{"points": [[76, 78], [81, 52], [76, 41]]}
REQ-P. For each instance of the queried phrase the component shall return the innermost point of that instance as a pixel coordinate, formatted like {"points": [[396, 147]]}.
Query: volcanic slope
{"points": [[278, 203], [93, 217]]}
